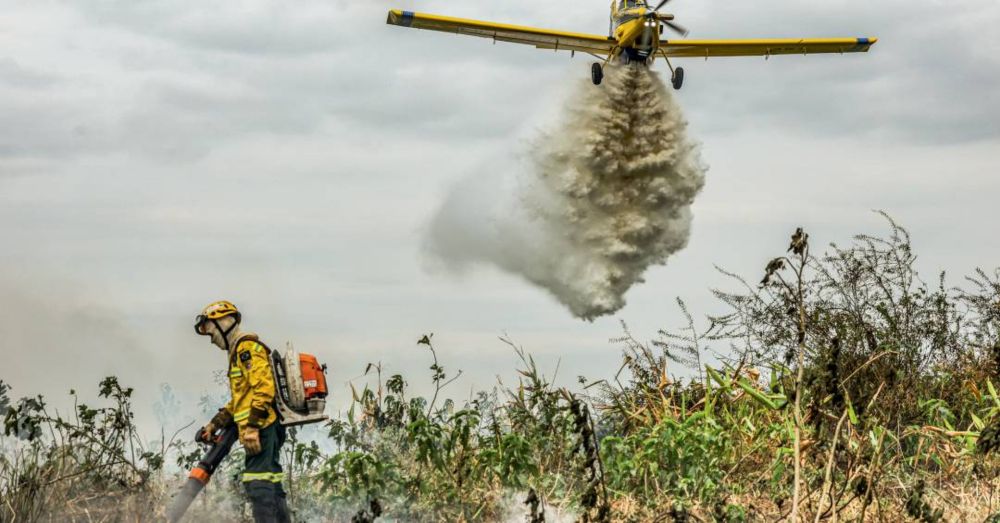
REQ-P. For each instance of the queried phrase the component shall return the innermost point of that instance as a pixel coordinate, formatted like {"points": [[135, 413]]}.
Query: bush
{"points": [[82, 465]]}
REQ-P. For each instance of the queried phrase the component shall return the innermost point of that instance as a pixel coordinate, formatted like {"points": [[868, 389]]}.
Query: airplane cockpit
{"points": [[625, 10], [629, 4], [621, 7]]}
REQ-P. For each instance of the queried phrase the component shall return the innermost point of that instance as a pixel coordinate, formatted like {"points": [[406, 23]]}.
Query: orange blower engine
{"points": [[301, 384]]}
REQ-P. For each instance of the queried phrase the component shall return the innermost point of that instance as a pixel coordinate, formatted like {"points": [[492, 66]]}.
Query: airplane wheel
{"points": [[596, 73], [678, 79]]}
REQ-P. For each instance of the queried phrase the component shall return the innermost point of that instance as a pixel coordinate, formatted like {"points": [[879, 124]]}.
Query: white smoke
{"points": [[515, 510], [607, 195]]}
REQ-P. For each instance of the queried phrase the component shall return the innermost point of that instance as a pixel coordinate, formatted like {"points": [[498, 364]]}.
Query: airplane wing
{"points": [[540, 38], [765, 47]]}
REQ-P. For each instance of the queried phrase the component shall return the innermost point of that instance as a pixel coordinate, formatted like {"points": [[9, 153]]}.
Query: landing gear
{"points": [[596, 73], [676, 73], [678, 78]]}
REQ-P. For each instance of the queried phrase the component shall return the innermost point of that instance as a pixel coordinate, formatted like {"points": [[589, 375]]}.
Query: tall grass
{"points": [[842, 386]]}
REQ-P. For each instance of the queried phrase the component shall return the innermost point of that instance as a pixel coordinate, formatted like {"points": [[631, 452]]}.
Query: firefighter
{"points": [[251, 408]]}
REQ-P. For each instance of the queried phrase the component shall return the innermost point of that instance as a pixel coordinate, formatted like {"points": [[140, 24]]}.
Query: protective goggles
{"points": [[200, 322]]}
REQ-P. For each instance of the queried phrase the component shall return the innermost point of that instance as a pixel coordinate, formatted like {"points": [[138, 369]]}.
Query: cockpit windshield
{"points": [[628, 4]]}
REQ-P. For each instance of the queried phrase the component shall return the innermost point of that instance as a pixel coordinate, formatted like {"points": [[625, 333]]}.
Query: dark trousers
{"points": [[262, 478]]}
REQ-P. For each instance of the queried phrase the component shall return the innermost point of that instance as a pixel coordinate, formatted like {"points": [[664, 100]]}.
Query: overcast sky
{"points": [[156, 155]]}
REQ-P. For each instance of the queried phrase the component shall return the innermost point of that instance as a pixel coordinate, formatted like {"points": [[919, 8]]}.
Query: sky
{"points": [[157, 155]]}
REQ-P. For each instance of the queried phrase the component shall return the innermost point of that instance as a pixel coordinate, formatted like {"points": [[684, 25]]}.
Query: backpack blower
{"points": [[300, 399], [301, 388]]}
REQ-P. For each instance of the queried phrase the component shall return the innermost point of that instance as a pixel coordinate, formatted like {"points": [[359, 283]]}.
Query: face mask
{"points": [[217, 330]]}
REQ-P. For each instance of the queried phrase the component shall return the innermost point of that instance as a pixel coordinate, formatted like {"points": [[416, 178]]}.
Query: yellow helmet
{"points": [[213, 312]]}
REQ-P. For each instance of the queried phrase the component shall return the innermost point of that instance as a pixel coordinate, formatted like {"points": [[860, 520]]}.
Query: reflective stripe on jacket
{"points": [[271, 477], [251, 383]]}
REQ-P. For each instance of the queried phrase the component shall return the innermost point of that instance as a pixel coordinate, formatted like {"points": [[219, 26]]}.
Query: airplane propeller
{"points": [[677, 28]]}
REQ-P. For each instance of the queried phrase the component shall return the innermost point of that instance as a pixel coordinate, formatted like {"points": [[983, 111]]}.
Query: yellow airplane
{"points": [[634, 36]]}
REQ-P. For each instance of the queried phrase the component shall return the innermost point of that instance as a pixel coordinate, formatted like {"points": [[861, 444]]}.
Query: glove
{"points": [[205, 434], [222, 419], [250, 438]]}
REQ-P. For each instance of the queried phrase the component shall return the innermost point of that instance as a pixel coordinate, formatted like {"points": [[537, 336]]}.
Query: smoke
{"points": [[516, 510], [58, 335], [605, 195]]}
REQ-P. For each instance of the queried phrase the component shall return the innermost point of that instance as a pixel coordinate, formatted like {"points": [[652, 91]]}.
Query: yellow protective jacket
{"points": [[251, 383]]}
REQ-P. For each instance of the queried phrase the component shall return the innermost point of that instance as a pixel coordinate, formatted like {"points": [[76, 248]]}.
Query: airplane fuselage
{"points": [[636, 29]]}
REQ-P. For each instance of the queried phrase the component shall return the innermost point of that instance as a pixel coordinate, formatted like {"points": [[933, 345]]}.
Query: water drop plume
{"points": [[605, 195]]}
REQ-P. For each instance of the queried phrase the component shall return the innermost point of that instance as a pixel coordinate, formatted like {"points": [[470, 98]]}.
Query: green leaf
{"points": [[771, 402], [714, 374], [993, 392], [851, 415]]}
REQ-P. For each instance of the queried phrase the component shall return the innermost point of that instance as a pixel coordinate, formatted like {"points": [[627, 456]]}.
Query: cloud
{"points": [[252, 27], [13, 74], [933, 77], [174, 81]]}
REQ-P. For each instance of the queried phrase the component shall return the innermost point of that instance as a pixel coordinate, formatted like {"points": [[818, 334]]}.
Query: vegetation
{"points": [[840, 387]]}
